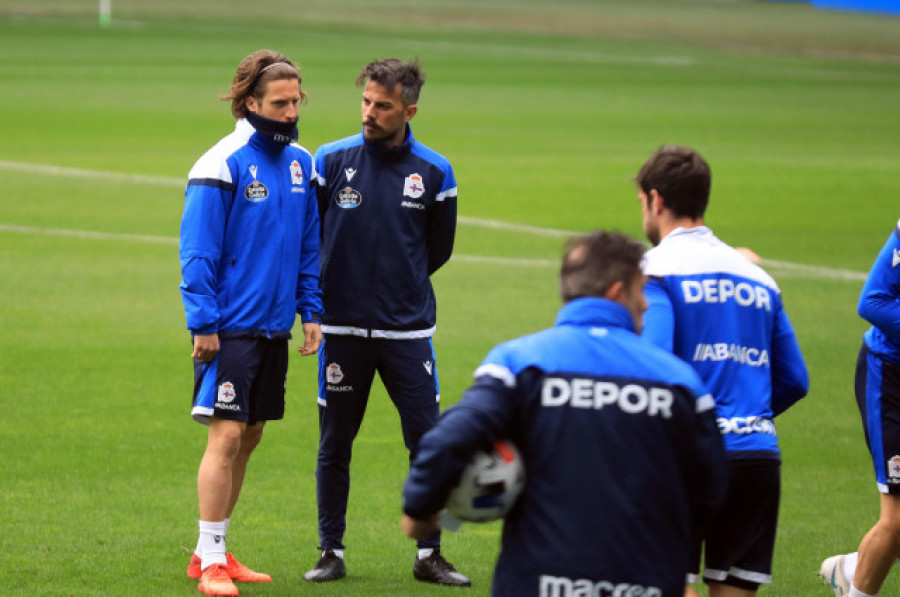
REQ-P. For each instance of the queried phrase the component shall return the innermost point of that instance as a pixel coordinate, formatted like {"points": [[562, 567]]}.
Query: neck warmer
{"points": [[284, 133]]}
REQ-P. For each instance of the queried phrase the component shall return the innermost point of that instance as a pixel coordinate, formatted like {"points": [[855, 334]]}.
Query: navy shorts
{"points": [[878, 398], [244, 382], [740, 540]]}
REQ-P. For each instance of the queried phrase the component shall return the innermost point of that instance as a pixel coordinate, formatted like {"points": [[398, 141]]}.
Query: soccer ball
{"points": [[489, 485]]}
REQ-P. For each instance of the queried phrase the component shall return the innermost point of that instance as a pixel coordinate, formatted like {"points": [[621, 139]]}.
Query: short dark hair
{"points": [[681, 176], [594, 262], [253, 76], [390, 71]]}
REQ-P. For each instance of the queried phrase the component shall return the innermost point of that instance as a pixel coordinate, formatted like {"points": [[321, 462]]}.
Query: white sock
{"points": [[198, 551], [212, 543], [854, 592], [338, 552], [850, 565], [425, 552]]}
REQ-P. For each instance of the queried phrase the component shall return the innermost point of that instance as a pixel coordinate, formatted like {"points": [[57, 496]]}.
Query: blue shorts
{"points": [[740, 540], [244, 382], [878, 398]]}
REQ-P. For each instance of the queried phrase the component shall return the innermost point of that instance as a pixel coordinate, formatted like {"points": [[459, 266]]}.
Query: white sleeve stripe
{"points": [[705, 403], [448, 193], [497, 372]]}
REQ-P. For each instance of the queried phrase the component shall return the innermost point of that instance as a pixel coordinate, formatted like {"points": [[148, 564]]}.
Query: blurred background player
{"points": [[722, 314], [249, 262], [623, 459], [878, 397], [388, 209]]}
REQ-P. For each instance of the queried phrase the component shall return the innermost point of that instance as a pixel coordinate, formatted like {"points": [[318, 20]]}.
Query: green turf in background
{"points": [[546, 111]]}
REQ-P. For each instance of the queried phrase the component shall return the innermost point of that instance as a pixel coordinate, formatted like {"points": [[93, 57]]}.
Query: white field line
{"points": [[783, 268]]}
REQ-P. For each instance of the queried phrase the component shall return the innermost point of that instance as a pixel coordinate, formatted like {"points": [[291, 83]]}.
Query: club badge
{"points": [[226, 392], [893, 468], [296, 173], [333, 373], [413, 186]]}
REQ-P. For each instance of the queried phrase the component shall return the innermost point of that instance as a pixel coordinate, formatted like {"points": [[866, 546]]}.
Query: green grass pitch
{"points": [[546, 110]]}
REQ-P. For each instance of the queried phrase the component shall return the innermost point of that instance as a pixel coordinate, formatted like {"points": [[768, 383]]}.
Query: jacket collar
{"points": [[595, 312]]}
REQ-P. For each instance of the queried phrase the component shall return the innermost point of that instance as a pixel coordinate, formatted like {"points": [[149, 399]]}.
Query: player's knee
{"points": [[225, 442], [251, 437]]}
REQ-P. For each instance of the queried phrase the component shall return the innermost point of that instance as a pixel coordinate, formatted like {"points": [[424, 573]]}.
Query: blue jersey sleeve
{"points": [[879, 302], [206, 206], [659, 319], [790, 379], [309, 294]]}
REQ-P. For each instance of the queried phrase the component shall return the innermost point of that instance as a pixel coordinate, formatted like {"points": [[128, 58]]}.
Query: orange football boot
{"points": [[215, 581], [236, 570]]}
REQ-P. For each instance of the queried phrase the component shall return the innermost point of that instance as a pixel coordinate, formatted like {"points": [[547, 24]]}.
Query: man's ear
{"points": [[614, 293], [411, 111], [656, 201]]}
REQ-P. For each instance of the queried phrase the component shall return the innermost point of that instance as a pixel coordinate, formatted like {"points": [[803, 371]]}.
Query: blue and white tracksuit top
{"points": [[388, 223], [724, 316], [250, 238], [623, 459], [879, 302]]}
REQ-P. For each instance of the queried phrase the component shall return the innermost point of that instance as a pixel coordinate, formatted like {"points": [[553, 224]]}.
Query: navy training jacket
{"points": [[623, 460], [388, 222]]}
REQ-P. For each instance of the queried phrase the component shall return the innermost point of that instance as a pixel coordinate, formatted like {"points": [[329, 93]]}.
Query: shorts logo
{"points": [[296, 173], [893, 469], [429, 366], [255, 192], [413, 186], [226, 393], [333, 373], [348, 198]]}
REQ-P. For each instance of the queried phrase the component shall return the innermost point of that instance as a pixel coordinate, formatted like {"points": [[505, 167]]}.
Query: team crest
{"points": [[348, 198], [296, 173], [413, 186], [893, 469], [333, 373], [226, 393]]}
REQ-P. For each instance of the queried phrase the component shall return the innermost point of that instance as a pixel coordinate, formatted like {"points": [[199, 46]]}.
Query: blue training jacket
{"points": [[879, 302], [623, 460], [723, 315], [250, 238], [388, 223]]}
